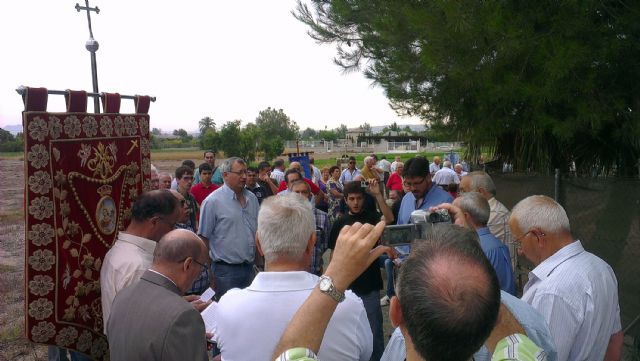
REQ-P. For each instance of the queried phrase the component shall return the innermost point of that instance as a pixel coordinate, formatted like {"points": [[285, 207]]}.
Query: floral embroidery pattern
{"points": [[41, 208], [144, 147], [43, 331], [90, 126], [40, 182], [119, 125], [38, 156], [41, 234], [72, 126], [42, 260], [106, 126], [41, 308], [99, 348], [41, 285], [144, 126], [130, 125], [38, 129], [55, 128], [66, 336], [84, 341], [84, 153]]}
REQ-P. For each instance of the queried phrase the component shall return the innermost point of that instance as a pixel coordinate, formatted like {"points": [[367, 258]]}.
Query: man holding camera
{"points": [[368, 285], [423, 193]]}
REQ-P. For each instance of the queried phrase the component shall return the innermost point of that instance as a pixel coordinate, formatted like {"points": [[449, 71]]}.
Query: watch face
{"points": [[325, 284]]}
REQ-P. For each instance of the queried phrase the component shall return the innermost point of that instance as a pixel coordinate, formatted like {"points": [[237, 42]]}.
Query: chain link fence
{"points": [[604, 214]]}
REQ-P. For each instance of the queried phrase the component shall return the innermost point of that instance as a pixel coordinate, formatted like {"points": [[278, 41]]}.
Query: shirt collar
{"points": [[146, 244], [160, 274], [546, 267], [283, 281], [230, 191]]}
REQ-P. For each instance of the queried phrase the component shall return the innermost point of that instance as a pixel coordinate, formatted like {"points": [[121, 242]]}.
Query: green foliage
{"points": [[210, 140], [205, 124], [308, 134], [541, 83], [274, 127], [236, 141], [156, 131], [9, 143]]}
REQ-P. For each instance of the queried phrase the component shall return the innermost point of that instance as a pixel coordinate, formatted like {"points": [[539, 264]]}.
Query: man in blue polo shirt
{"points": [[423, 193]]}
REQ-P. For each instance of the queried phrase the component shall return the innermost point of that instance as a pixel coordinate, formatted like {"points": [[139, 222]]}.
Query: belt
{"points": [[245, 263]]}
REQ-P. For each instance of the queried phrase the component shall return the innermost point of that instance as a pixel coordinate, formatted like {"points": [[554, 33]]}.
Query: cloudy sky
{"points": [[224, 59]]}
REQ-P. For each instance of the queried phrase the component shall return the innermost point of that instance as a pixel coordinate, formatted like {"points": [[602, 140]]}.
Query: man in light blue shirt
{"points": [[350, 173], [228, 223], [476, 212], [424, 194]]}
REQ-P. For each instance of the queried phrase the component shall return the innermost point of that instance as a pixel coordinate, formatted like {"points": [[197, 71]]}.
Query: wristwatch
{"points": [[326, 286]]}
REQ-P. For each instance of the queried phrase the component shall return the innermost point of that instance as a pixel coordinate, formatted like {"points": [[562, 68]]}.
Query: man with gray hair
{"points": [[476, 212], [162, 326], [228, 223], [482, 183], [575, 291], [286, 237]]}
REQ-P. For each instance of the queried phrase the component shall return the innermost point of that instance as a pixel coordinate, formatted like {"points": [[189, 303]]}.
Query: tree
{"points": [[341, 132], [9, 143], [156, 131], [205, 124], [210, 140], [229, 139], [540, 83], [366, 127], [308, 133], [275, 128]]}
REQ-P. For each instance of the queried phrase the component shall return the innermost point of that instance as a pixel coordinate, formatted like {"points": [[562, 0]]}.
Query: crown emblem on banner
{"points": [[105, 190]]}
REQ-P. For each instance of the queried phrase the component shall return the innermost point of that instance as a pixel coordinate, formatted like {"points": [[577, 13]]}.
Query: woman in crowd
{"points": [[395, 180], [322, 183], [334, 188]]}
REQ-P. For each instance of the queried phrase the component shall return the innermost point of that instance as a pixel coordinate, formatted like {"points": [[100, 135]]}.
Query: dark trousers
{"points": [[227, 276]]}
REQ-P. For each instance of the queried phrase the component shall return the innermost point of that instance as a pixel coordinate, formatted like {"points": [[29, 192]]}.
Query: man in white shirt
{"points": [[482, 183], [153, 215], [250, 321], [278, 171], [445, 176], [459, 171], [575, 291], [435, 166], [350, 172]]}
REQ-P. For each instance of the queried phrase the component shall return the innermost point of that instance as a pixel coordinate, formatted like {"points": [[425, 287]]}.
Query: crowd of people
{"points": [[258, 237]]}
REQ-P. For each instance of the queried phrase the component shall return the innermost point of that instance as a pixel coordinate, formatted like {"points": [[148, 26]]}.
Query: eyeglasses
{"points": [[187, 177], [203, 265], [518, 241], [415, 184], [352, 162], [240, 172]]}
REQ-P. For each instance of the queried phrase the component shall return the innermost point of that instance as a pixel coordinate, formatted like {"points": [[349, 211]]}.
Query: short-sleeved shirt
{"points": [[347, 175], [370, 280], [395, 182], [229, 227], [434, 196], [259, 191]]}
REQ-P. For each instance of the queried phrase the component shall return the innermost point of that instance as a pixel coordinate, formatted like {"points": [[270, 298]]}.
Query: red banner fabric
{"points": [[82, 173]]}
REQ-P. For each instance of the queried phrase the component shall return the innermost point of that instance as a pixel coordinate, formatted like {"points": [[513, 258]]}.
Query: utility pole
{"points": [[92, 46]]}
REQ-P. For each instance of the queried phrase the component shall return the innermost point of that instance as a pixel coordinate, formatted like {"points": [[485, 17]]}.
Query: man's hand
{"points": [[196, 302], [264, 177], [456, 213], [373, 188], [353, 253]]}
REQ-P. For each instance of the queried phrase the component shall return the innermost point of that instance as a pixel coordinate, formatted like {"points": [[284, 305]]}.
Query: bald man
{"points": [[149, 319]]}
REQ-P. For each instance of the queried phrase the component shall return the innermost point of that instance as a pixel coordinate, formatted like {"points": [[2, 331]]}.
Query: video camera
{"points": [[421, 222]]}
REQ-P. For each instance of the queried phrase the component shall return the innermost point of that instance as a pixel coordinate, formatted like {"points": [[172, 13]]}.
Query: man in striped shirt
{"points": [[575, 291]]}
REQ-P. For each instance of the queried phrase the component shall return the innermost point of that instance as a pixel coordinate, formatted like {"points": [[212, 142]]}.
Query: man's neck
{"points": [[206, 184], [412, 354], [285, 266], [139, 230]]}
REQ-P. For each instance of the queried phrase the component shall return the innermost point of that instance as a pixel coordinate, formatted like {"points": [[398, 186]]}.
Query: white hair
{"points": [[368, 159], [446, 164], [476, 205], [285, 224], [480, 179], [540, 212], [229, 162], [457, 166], [154, 170]]}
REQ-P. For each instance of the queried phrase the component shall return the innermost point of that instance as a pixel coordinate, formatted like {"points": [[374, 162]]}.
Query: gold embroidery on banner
{"points": [[103, 161], [134, 145]]}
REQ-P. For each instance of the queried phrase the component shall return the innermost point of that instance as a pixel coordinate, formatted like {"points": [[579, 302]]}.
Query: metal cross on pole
{"points": [[92, 45]]}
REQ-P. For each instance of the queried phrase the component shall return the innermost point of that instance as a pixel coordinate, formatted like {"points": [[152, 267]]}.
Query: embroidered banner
{"points": [[82, 173]]}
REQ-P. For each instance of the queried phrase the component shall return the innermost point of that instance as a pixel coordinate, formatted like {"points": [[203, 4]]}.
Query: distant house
{"points": [[354, 133]]}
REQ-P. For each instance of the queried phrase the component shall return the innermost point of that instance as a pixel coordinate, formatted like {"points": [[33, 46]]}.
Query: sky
{"points": [[224, 59]]}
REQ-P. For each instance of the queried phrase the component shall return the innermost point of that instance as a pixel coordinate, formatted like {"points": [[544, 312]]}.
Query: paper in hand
{"points": [[208, 315], [207, 295]]}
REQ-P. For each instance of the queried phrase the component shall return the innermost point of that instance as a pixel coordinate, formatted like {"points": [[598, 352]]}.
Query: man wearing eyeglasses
{"points": [[228, 223], [575, 291], [153, 215], [422, 194]]}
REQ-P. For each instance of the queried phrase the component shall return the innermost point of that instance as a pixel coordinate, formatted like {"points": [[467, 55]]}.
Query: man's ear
{"points": [[395, 312], [188, 263], [311, 243], [258, 246]]}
